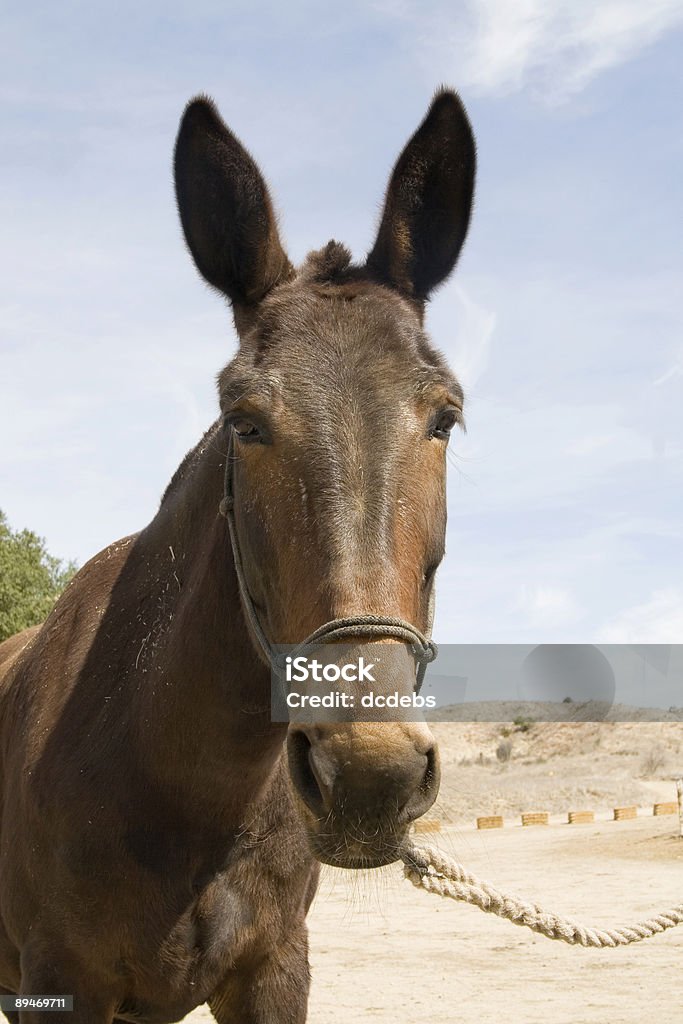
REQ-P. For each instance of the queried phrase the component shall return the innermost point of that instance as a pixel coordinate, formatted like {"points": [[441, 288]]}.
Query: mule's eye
{"points": [[443, 424], [245, 430]]}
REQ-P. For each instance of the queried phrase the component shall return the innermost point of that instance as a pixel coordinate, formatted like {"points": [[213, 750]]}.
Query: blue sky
{"points": [[564, 319]]}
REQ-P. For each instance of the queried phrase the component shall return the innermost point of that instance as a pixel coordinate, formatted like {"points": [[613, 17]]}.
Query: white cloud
{"points": [[467, 329], [556, 47], [607, 450], [534, 458], [657, 621], [546, 606], [590, 443], [671, 373]]}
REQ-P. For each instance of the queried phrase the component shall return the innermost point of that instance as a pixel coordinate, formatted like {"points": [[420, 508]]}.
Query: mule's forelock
{"points": [[330, 264]]}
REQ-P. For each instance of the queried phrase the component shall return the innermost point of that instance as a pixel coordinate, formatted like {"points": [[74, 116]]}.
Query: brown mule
{"points": [[159, 848]]}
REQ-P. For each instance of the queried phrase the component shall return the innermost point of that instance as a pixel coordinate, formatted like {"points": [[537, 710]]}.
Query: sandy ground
{"points": [[555, 767], [381, 950]]}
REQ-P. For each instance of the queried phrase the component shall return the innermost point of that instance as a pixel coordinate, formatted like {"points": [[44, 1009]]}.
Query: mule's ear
{"points": [[225, 208], [428, 202]]}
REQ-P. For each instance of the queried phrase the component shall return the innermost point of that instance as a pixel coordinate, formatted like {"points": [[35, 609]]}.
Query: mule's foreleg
{"points": [[12, 1015], [48, 973], [274, 990]]}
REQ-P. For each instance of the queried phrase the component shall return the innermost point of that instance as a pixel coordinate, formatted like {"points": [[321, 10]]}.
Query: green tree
{"points": [[31, 579]]}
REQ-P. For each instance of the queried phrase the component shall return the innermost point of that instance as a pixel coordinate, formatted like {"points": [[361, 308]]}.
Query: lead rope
{"points": [[429, 869]]}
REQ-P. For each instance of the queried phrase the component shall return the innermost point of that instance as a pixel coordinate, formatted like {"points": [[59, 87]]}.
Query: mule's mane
{"points": [[192, 457]]}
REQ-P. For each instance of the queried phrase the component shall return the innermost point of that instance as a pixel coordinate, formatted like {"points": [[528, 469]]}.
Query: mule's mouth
{"points": [[353, 850]]}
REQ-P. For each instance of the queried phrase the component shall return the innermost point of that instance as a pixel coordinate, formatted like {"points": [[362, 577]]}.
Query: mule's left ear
{"points": [[428, 202]]}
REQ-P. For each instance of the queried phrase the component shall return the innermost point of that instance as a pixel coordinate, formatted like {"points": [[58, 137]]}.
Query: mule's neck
{"points": [[213, 709]]}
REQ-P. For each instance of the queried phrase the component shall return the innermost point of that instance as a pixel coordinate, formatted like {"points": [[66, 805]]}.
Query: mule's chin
{"points": [[355, 853]]}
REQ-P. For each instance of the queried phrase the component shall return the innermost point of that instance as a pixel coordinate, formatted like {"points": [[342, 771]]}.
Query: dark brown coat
{"points": [[160, 834]]}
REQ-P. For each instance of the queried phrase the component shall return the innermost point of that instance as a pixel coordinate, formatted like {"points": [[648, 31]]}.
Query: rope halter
{"points": [[349, 628]]}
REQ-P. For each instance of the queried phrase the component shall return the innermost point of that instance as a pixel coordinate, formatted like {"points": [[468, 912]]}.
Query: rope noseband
{"points": [[352, 627]]}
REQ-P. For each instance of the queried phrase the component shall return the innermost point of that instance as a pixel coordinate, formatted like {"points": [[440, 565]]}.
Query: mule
{"points": [[161, 834]]}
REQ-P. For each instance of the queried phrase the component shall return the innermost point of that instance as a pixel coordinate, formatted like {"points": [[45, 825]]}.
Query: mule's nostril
{"points": [[431, 775], [425, 794], [301, 767]]}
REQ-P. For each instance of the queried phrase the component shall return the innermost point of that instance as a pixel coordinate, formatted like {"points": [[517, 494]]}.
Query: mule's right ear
{"points": [[225, 209]]}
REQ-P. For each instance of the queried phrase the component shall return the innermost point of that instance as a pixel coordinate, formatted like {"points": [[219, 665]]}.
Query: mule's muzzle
{"points": [[361, 785]]}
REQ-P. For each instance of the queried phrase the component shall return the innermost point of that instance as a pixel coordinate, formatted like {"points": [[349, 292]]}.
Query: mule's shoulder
{"points": [[59, 641], [15, 644], [12, 648], [17, 649], [98, 574]]}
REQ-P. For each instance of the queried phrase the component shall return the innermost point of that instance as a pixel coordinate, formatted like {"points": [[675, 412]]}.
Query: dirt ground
{"points": [[384, 951], [554, 766]]}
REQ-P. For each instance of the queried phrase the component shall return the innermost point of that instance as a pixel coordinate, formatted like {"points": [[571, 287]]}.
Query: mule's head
{"points": [[341, 412]]}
